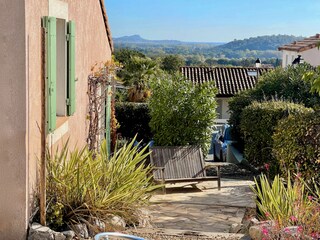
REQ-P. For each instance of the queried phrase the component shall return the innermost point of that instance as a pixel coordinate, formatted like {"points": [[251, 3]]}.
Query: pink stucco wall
{"points": [[20, 94], [13, 165], [91, 47]]}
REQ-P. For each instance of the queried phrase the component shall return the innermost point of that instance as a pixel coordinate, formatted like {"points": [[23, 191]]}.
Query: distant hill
{"points": [[201, 53], [260, 43], [137, 39]]}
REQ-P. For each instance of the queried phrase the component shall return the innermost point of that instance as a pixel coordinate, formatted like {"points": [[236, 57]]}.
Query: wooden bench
{"points": [[182, 164]]}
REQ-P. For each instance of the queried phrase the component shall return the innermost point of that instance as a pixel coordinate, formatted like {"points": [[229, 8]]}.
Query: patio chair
{"points": [[106, 235], [181, 164]]}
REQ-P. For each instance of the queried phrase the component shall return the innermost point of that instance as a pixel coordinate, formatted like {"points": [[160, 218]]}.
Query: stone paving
{"points": [[202, 209]]}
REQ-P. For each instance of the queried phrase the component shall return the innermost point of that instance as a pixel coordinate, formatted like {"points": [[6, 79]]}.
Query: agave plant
{"points": [[80, 186]]}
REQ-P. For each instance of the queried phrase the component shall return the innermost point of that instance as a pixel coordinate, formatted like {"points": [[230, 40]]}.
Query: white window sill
{"points": [[62, 129]]}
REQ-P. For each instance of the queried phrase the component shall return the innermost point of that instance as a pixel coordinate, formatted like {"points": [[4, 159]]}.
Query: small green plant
{"points": [[80, 186], [278, 200], [287, 203], [182, 113]]}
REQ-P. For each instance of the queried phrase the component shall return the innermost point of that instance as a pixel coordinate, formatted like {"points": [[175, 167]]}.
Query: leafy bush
{"points": [[80, 186], [297, 144], [182, 113], [134, 119], [282, 83], [236, 105], [287, 204], [172, 63], [258, 121]]}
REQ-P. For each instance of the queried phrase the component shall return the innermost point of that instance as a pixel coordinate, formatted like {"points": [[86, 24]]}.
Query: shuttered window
{"points": [[50, 24], [51, 71]]}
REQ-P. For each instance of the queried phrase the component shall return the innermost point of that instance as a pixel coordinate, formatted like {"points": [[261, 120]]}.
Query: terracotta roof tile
{"points": [[228, 80], [303, 45]]}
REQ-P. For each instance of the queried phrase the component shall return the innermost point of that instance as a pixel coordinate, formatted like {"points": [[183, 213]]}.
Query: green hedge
{"points": [[134, 119], [258, 122], [297, 144], [281, 83]]}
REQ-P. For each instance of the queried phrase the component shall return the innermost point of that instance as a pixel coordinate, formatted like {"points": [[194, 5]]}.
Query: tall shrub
{"points": [[258, 121], [282, 83], [297, 145], [182, 113], [134, 119]]}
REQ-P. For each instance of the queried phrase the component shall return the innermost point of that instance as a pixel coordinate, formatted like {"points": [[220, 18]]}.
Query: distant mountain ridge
{"points": [[263, 47], [261, 43], [138, 39]]}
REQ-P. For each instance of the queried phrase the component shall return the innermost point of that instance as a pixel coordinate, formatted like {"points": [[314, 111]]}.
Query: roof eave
{"points": [[106, 23], [302, 49]]}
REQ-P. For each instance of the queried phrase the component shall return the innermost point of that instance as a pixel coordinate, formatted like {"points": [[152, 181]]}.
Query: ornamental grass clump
{"points": [[288, 204], [80, 186]]}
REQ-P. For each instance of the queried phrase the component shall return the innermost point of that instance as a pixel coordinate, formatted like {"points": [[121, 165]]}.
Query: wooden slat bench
{"points": [[181, 164]]}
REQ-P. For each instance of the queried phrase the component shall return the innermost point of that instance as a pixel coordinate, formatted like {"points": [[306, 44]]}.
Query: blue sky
{"points": [[212, 20]]}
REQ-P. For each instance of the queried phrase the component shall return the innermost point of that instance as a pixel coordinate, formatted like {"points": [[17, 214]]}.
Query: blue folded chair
{"points": [[116, 234]]}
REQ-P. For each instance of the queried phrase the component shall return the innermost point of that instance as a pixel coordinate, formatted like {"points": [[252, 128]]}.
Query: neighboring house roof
{"points": [[228, 80], [106, 23], [303, 45]]}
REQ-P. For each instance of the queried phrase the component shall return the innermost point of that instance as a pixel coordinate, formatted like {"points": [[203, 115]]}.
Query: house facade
{"points": [[47, 49], [228, 80], [306, 48]]}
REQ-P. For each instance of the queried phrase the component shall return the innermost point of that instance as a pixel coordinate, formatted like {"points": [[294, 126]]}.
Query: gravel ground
{"points": [[233, 171]]}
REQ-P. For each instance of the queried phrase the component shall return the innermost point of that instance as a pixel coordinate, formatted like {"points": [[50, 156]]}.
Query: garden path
{"points": [[203, 210]]}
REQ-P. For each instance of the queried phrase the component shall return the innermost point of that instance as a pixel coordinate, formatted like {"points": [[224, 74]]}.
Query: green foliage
{"points": [[80, 186], [297, 145], [277, 200], [136, 74], [137, 71], [314, 78], [172, 63], [281, 200], [182, 113], [286, 84], [134, 119], [287, 204], [244, 62], [124, 55], [258, 122], [236, 106]]}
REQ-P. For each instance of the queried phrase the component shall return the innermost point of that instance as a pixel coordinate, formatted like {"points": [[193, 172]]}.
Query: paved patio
{"points": [[203, 209]]}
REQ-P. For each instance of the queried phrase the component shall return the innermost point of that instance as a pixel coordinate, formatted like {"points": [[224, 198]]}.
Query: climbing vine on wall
{"points": [[101, 77]]}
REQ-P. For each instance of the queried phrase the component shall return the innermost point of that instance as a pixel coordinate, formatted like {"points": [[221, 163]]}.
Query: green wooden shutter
{"points": [[71, 86], [51, 71]]}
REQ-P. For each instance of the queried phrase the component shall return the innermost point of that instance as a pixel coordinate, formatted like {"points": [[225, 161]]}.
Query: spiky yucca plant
{"points": [[80, 186], [289, 204]]}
